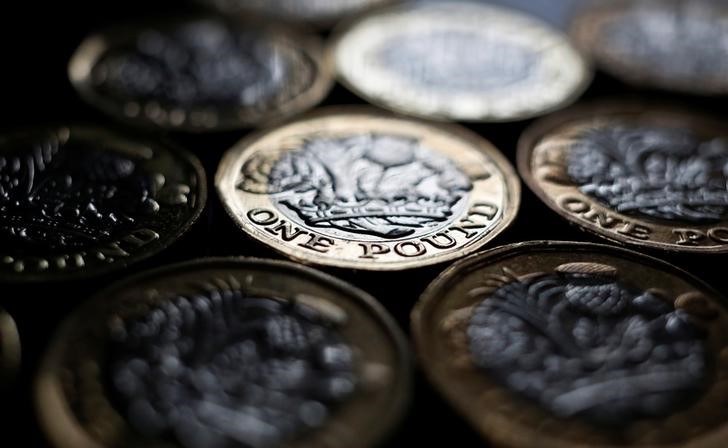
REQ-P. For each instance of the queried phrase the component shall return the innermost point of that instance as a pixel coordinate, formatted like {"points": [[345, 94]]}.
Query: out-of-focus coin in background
{"points": [[352, 187], [459, 61], [81, 201], [9, 349], [668, 44], [225, 353], [646, 175], [551, 344], [201, 73], [319, 12]]}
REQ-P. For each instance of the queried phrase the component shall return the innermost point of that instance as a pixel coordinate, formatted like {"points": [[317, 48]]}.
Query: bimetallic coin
{"points": [[460, 61], [82, 201], [321, 12], [9, 349], [550, 344], [225, 353], [637, 174], [358, 189], [201, 74], [669, 44]]}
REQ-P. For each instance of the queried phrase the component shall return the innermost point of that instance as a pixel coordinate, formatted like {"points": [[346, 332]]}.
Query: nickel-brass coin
{"points": [[560, 345], [358, 189], [668, 44], [81, 201], [320, 12], [460, 61], [9, 349], [637, 174], [225, 353], [201, 74]]}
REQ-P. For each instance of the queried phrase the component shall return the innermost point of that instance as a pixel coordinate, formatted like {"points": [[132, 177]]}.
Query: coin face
{"points": [[551, 344], [82, 201], [439, 61], [637, 174], [200, 74], [225, 353], [323, 12], [668, 44], [9, 349], [355, 188]]}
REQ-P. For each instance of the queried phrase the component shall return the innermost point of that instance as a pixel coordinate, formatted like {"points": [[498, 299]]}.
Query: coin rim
{"points": [[480, 144], [176, 151], [10, 349], [307, 43], [593, 110], [58, 422], [513, 436], [343, 28]]}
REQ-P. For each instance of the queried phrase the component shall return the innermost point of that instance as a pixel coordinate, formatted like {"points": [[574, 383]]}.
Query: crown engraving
{"points": [[657, 172], [381, 185]]}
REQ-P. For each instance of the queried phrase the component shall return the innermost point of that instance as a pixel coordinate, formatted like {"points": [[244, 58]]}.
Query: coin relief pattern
{"points": [[192, 365], [570, 339]]}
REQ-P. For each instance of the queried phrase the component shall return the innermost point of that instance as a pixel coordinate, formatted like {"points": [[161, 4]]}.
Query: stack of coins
{"points": [[279, 223]]}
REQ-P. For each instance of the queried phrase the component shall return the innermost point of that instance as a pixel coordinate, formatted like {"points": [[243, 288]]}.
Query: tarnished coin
{"points": [[669, 44], [9, 349], [554, 345], [321, 12], [460, 61], [201, 74], [225, 353], [82, 201], [354, 188], [637, 174]]}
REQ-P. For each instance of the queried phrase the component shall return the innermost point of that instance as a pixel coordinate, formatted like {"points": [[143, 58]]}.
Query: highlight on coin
{"points": [[667, 44], [554, 344], [201, 73], [357, 188], [80, 201], [642, 173], [225, 353], [460, 61]]}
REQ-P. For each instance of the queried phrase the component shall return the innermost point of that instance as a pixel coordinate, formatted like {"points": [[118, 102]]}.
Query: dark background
{"points": [[36, 43]]}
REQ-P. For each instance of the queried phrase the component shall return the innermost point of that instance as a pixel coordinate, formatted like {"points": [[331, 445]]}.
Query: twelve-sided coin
{"points": [[359, 189]]}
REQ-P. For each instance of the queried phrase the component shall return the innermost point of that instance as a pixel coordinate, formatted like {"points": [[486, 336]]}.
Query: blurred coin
{"points": [[638, 174], [200, 74], [9, 349], [321, 12], [82, 201], [553, 345], [225, 353], [460, 61], [351, 187], [669, 44]]}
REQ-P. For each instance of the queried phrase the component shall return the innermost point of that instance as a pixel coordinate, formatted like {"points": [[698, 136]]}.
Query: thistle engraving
{"points": [[581, 343], [378, 185], [651, 171], [222, 368], [56, 194], [200, 63]]}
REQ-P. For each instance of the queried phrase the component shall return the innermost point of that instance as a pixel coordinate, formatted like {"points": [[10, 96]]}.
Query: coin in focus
{"points": [[201, 74], [320, 12], [81, 201], [460, 61], [351, 187], [639, 174], [550, 345], [9, 349], [225, 353], [668, 44]]}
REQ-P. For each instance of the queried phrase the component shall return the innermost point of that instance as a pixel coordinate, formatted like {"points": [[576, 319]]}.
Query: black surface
{"points": [[35, 45]]}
